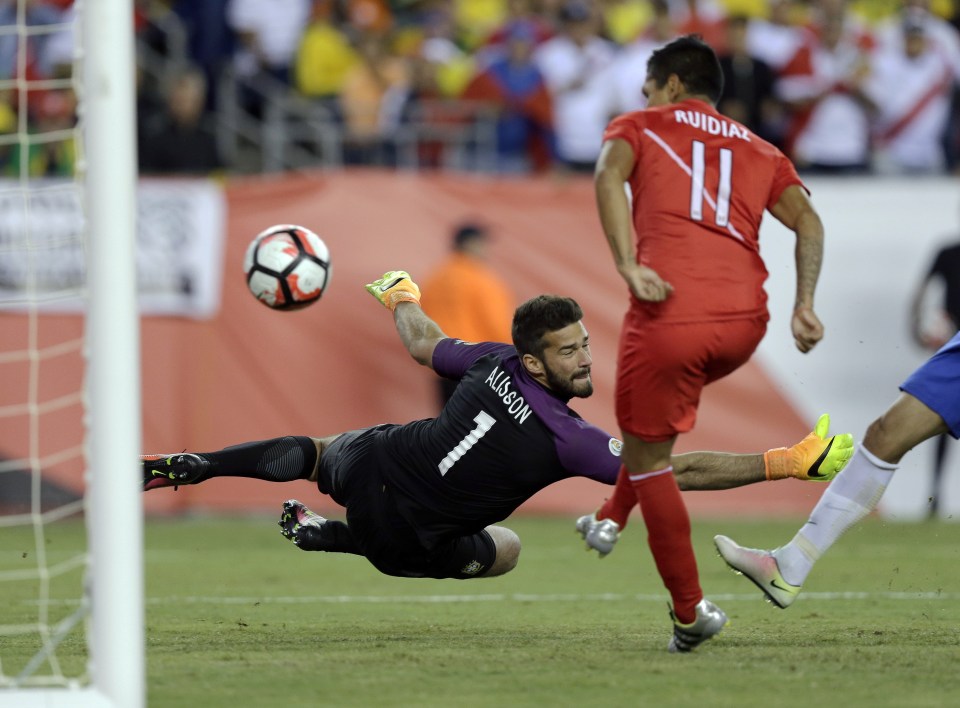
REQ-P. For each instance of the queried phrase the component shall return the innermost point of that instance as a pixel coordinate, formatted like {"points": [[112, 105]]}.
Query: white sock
{"points": [[851, 496]]}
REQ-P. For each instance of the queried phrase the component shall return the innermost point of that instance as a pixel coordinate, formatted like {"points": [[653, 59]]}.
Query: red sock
{"points": [[668, 534], [619, 506]]}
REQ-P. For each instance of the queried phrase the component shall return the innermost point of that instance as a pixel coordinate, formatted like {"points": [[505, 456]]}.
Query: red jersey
{"points": [[700, 185]]}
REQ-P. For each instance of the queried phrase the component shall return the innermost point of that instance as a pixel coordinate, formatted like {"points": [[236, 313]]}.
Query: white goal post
{"points": [[113, 505]]}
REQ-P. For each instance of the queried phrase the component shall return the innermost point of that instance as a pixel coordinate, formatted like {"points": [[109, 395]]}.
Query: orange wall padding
{"points": [[253, 373]]}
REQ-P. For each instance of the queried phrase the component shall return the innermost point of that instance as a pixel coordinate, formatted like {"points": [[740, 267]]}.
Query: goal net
{"points": [[71, 619]]}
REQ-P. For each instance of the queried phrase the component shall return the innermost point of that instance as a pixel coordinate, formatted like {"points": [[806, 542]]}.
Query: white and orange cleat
{"points": [[761, 568]]}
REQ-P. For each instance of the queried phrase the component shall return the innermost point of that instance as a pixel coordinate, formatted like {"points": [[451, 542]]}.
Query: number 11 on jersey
{"points": [[697, 171]]}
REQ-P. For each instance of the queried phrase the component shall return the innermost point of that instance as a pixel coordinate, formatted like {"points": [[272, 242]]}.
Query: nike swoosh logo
{"points": [[814, 470], [387, 286], [778, 586]]}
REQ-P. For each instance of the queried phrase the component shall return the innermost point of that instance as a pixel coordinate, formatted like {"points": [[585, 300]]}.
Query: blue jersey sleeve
{"points": [[452, 357]]}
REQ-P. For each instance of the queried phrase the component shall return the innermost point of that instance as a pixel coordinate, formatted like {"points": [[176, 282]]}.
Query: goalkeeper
{"points": [[423, 499]]}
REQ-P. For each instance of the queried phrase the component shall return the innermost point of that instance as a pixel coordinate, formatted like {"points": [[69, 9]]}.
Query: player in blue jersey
{"points": [[928, 405], [423, 499]]}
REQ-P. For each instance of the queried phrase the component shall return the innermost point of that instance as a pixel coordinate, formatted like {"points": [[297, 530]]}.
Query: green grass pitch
{"points": [[237, 616]]}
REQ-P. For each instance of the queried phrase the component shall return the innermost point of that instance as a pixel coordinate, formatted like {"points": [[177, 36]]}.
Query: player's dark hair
{"points": [[693, 61], [538, 316]]}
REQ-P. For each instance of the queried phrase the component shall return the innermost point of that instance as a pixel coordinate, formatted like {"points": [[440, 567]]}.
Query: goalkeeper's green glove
{"points": [[394, 287], [817, 457]]}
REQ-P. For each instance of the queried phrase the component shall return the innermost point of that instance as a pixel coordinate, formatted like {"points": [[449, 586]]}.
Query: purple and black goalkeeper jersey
{"points": [[500, 439]]}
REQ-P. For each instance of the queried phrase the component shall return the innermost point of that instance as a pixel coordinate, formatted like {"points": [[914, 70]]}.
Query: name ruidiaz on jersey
{"points": [[503, 386], [711, 124]]}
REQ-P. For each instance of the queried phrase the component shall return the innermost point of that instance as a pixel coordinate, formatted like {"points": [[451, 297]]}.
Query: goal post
{"points": [[115, 515], [103, 79]]}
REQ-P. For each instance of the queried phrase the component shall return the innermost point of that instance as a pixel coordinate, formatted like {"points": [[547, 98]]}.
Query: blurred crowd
{"points": [[843, 86]]}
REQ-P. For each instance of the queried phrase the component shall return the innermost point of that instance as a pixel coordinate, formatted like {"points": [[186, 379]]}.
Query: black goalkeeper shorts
{"points": [[348, 473]]}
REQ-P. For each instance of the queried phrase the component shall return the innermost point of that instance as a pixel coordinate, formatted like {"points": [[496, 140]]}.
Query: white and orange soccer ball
{"points": [[287, 267]]}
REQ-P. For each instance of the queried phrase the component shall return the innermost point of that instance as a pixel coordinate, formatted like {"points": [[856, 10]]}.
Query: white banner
{"points": [[180, 246]]}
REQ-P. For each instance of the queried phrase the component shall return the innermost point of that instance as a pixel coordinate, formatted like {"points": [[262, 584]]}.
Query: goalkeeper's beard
{"points": [[570, 387]]}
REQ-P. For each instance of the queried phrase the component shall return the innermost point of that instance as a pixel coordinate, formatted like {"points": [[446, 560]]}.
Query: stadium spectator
{"points": [[372, 16], [40, 61], [629, 70], [458, 36], [777, 37], [210, 40], [54, 111], [928, 405], [823, 87], [424, 112], [154, 23], [412, 517], [324, 59], [466, 297], [703, 17], [180, 141], [943, 38], [372, 99], [477, 20], [748, 84], [576, 66], [690, 258], [59, 46], [8, 112], [35, 15], [910, 123], [521, 11], [513, 85], [453, 67], [935, 318], [940, 33], [268, 33], [624, 21]]}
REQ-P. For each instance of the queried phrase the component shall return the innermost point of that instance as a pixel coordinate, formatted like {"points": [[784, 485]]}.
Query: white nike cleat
{"points": [[761, 568]]}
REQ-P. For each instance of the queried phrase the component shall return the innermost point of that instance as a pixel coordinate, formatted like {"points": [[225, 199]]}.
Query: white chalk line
{"points": [[510, 597]]}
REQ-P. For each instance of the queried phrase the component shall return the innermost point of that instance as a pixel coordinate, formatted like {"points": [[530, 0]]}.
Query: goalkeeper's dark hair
{"points": [[538, 316], [693, 61]]}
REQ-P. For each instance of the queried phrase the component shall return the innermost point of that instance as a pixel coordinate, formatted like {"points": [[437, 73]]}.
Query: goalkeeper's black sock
{"points": [[277, 460]]}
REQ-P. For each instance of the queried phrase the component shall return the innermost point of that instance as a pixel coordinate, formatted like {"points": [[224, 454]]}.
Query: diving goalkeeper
{"points": [[424, 499]]}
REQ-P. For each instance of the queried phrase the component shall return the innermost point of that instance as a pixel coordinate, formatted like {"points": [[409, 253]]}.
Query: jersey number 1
{"points": [[698, 169], [484, 422]]}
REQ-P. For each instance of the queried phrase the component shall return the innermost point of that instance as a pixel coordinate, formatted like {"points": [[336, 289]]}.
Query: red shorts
{"points": [[663, 367]]}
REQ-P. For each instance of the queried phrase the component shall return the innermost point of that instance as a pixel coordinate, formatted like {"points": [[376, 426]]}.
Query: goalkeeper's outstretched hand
{"points": [[817, 457], [394, 287]]}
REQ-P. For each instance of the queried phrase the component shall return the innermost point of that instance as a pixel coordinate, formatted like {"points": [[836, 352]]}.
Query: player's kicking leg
{"points": [[818, 457], [761, 568]]}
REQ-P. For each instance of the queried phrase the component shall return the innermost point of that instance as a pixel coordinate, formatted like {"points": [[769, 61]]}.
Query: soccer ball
{"points": [[287, 267]]}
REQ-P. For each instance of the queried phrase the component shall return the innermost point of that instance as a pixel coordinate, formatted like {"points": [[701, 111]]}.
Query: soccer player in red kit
{"points": [[700, 184]]}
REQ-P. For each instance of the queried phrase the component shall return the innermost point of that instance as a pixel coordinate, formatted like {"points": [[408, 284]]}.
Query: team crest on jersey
{"points": [[472, 568], [615, 447]]}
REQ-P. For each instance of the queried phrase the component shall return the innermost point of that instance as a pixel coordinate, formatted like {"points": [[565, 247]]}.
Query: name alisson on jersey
{"points": [[711, 124], [502, 385]]}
